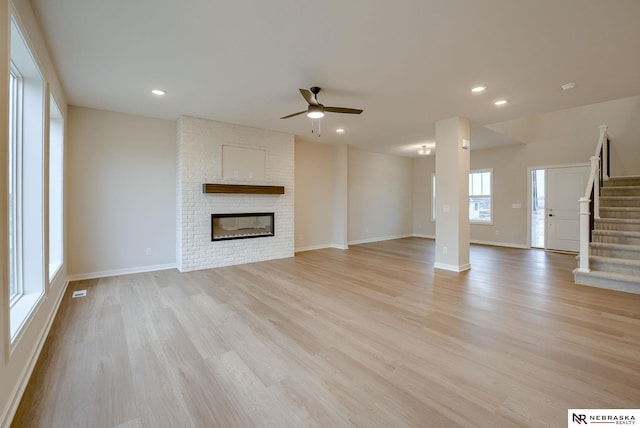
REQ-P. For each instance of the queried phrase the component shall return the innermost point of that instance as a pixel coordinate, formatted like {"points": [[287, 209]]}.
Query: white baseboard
{"points": [[378, 239], [479, 242], [115, 272], [500, 244], [322, 247], [18, 392], [419, 235], [313, 247], [415, 235], [452, 268]]}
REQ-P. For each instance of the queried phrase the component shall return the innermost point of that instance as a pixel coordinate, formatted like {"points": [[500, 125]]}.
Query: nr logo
{"points": [[580, 419]]}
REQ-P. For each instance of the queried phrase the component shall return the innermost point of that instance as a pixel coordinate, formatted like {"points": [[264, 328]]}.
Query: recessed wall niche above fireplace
{"points": [[225, 227]]}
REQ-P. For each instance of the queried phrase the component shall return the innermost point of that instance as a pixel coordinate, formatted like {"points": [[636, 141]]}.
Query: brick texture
{"points": [[199, 160]]}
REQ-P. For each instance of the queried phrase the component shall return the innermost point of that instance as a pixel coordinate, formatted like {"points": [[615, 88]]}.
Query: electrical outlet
{"points": [[148, 252], [445, 250]]}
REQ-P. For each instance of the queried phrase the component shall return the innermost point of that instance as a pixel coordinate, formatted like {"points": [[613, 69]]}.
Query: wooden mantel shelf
{"points": [[242, 189]]}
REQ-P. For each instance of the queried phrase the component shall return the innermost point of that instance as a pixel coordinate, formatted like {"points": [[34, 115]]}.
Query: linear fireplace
{"points": [[241, 226]]}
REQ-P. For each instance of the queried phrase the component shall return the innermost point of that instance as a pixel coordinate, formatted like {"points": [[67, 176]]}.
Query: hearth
{"points": [[225, 227]]}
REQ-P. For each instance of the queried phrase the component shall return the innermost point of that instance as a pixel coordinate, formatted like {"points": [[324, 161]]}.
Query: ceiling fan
{"points": [[317, 110]]}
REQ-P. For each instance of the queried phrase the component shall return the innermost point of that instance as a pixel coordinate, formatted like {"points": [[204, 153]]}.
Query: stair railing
{"points": [[600, 168]]}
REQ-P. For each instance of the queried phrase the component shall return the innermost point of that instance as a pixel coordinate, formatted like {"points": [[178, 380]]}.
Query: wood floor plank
{"points": [[373, 336]]}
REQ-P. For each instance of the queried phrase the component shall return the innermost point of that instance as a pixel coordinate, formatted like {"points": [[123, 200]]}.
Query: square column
{"points": [[452, 195]]}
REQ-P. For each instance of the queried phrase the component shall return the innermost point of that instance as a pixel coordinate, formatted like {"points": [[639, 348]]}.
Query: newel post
{"points": [[584, 235]]}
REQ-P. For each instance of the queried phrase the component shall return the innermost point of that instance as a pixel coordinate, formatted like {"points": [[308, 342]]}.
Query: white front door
{"points": [[564, 187]]}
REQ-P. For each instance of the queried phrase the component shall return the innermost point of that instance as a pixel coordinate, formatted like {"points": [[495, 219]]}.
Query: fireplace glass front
{"points": [[241, 226]]}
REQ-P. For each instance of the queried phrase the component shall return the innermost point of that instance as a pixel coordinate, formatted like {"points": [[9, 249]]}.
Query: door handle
{"points": [[550, 215]]}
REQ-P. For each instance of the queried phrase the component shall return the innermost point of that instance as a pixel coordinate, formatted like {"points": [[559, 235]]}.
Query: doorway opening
{"points": [[538, 218], [554, 212]]}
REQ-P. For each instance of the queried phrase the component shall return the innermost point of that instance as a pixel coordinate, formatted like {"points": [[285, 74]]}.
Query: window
{"points": [[538, 218], [15, 96], [480, 201], [433, 197], [26, 183], [56, 144]]}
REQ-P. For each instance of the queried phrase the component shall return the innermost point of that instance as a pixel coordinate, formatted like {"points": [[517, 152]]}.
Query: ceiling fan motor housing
{"points": [[315, 112], [319, 108]]}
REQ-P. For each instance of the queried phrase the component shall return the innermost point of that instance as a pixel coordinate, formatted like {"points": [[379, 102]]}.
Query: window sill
{"points": [[21, 310]]}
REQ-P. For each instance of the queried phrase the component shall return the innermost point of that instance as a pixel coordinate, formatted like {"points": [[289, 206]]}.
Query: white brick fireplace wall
{"points": [[199, 160]]}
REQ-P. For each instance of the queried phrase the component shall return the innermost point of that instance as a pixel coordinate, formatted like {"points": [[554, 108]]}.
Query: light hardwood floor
{"points": [[369, 337]]}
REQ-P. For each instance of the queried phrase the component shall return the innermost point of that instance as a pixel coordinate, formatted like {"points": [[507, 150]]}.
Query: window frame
{"points": [[55, 181], [27, 175], [16, 93], [482, 195], [433, 196]]}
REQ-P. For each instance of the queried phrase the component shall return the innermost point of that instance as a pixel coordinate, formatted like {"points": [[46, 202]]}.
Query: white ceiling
{"points": [[407, 63]]}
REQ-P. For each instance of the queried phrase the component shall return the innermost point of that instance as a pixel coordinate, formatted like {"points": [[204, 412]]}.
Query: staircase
{"points": [[615, 248]]}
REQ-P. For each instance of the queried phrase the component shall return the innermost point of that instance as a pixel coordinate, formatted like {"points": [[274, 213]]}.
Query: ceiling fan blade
{"points": [[308, 96], [294, 114], [343, 110]]}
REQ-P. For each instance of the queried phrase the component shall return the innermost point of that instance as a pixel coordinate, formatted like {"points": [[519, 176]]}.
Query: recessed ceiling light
{"points": [[568, 86], [478, 89], [500, 102], [340, 131], [158, 92]]}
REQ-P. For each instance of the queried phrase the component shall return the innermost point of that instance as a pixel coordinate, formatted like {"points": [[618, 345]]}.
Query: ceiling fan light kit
{"points": [[315, 110]]}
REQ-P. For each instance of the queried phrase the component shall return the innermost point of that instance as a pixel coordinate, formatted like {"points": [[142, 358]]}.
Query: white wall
{"points": [[17, 362], [199, 161], [380, 196], [340, 235], [423, 167], [314, 195], [571, 135], [121, 193], [563, 137]]}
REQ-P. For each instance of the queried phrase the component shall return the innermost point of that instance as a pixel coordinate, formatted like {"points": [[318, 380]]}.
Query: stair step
{"points": [[620, 191], [631, 180], [614, 265], [622, 224], [619, 201], [616, 237], [620, 212], [623, 251], [612, 281]]}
